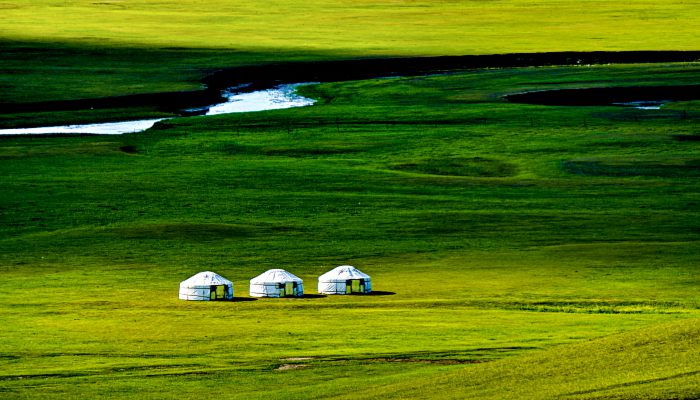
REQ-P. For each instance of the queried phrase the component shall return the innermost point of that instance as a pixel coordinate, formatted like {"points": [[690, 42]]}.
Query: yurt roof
{"points": [[206, 278], [343, 272], [275, 276]]}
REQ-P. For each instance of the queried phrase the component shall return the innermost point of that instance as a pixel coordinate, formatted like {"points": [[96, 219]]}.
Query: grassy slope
{"points": [[615, 367], [80, 49], [504, 256]]}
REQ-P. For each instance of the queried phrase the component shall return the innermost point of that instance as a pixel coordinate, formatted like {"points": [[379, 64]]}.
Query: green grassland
{"points": [[517, 251], [363, 26], [58, 49]]}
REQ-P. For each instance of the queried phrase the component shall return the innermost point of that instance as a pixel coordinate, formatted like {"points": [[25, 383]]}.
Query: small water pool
{"points": [[639, 97], [644, 105]]}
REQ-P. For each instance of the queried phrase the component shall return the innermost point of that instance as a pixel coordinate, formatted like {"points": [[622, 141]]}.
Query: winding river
{"points": [[279, 97], [284, 96]]}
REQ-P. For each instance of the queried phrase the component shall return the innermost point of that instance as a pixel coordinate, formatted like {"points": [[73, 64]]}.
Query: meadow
{"points": [[58, 49], [516, 251], [501, 270]]}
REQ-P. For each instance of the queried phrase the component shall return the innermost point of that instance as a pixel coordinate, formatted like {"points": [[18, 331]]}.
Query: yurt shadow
{"points": [[378, 293], [312, 296], [243, 299]]}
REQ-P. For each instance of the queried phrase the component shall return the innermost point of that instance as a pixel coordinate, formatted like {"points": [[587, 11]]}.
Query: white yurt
{"points": [[276, 283], [206, 286], [344, 279]]}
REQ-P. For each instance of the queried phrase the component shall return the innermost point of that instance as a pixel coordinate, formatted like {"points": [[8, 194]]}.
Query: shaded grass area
{"points": [[680, 167], [460, 205], [476, 166], [608, 96]]}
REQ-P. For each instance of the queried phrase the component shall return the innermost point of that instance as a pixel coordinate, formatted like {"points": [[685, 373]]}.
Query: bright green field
{"points": [[363, 27], [518, 251], [522, 252]]}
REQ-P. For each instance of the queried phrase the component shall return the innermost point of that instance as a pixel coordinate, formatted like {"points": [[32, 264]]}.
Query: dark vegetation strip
{"points": [[634, 383], [165, 101], [162, 369], [472, 356], [42, 376], [607, 95], [687, 138], [266, 76]]}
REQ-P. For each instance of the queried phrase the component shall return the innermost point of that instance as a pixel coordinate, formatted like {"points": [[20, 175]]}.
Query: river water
{"points": [[282, 96]]}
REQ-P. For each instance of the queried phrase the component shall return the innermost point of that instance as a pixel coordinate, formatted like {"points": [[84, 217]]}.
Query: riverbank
{"points": [[261, 77], [601, 96], [279, 97]]}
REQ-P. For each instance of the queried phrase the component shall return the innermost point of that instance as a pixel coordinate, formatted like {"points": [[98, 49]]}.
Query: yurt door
{"points": [[289, 289], [217, 292], [355, 286]]}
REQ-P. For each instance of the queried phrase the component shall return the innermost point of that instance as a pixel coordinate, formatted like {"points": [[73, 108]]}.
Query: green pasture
{"points": [[59, 49], [362, 27], [516, 251]]}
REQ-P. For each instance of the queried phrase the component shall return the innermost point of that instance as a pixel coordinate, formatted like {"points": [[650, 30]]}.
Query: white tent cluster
{"points": [[344, 279], [276, 283], [208, 285]]}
